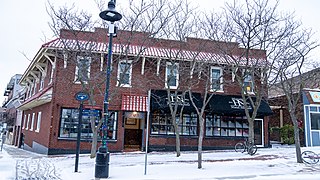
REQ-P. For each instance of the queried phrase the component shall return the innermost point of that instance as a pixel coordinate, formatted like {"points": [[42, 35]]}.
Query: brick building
{"points": [[76, 62]]}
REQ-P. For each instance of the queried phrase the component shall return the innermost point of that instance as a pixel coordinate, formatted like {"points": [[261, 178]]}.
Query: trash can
{"points": [[102, 164]]}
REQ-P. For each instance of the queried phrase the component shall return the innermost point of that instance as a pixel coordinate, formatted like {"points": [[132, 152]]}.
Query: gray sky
{"points": [[24, 28]]}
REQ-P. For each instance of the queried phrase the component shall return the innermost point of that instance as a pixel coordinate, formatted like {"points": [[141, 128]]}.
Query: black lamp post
{"points": [[102, 158]]}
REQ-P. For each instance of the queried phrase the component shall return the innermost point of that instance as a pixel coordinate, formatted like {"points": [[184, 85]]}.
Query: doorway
{"points": [[133, 131], [258, 132]]}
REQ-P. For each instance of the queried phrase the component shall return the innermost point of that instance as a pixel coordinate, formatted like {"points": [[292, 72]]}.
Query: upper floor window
{"points": [[124, 73], [82, 73], [248, 83], [172, 75], [216, 79]]}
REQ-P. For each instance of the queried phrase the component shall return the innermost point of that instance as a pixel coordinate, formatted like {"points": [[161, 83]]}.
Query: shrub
{"points": [[287, 134]]}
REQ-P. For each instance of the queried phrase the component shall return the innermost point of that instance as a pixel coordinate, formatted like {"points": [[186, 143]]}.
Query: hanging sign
{"points": [[82, 96]]}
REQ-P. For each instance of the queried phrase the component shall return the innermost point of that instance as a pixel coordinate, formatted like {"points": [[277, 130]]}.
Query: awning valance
{"points": [[234, 105], [134, 102], [159, 101]]}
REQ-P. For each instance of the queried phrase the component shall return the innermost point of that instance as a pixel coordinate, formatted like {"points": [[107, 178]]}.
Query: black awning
{"points": [[233, 105], [159, 101]]}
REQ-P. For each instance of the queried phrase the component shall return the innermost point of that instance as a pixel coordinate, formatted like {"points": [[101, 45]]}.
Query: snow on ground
{"points": [[268, 163]]}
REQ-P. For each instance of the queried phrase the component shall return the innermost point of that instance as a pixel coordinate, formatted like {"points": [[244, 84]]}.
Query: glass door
{"points": [[258, 132]]}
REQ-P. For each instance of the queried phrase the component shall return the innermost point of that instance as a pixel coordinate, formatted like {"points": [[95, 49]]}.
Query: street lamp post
{"points": [[102, 158]]}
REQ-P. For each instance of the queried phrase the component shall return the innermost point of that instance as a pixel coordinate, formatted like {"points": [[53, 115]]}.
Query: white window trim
{"points": [[130, 73], [27, 124], [77, 69], [166, 77], [221, 79], [32, 122], [38, 122], [251, 84], [24, 121]]}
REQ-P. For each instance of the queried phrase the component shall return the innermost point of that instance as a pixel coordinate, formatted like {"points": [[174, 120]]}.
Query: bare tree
{"points": [[290, 69], [142, 21], [265, 36], [70, 18]]}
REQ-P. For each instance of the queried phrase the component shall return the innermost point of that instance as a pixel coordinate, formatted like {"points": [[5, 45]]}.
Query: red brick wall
{"points": [[41, 137]]}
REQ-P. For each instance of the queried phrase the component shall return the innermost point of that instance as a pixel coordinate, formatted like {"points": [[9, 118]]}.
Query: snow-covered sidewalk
{"points": [[268, 163]]}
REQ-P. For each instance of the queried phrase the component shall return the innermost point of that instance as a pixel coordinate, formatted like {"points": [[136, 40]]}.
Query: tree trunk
{"points": [[177, 142], [200, 141], [251, 130], [94, 143], [296, 138]]}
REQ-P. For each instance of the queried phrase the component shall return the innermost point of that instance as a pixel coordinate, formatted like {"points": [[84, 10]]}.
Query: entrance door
{"points": [[258, 132], [132, 134]]}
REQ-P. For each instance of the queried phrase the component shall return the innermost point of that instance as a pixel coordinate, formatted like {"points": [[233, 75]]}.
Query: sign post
{"points": [[81, 97]]}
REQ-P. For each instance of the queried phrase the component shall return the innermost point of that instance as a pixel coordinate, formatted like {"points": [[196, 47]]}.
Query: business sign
{"points": [[237, 103], [180, 100], [315, 96]]}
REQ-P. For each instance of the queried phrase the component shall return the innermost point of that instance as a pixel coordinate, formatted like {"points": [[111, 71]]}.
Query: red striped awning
{"points": [[134, 102]]}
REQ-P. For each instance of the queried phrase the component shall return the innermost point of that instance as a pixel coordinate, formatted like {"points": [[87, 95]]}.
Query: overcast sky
{"points": [[24, 28]]}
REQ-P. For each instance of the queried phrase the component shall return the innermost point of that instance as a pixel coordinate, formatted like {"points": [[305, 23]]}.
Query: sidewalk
{"points": [[9, 157], [268, 163], [17, 153]]}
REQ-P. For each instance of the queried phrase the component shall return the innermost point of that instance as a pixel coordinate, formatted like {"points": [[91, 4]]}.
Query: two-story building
{"points": [[76, 61]]}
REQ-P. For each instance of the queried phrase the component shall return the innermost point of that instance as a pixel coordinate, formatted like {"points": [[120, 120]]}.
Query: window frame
{"points": [[88, 68], [220, 77], [176, 76], [32, 121], [226, 126], [68, 128], [314, 126], [38, 122], [161, 124], [27, 124], [24, 122], [127, 72], [248, 83]]}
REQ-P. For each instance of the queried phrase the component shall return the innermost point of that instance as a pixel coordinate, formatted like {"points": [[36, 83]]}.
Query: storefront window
{"points": [[69, 123], [226, 126], [162, 124], [315, 121]]}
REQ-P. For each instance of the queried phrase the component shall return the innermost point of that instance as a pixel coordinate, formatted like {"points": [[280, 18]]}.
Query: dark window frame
{"points": [[161, 124], [69, 129], [226, 126]]}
